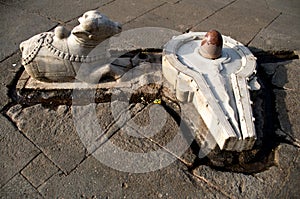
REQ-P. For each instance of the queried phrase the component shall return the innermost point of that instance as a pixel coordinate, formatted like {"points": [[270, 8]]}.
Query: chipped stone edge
{"points": [[191, 86]]}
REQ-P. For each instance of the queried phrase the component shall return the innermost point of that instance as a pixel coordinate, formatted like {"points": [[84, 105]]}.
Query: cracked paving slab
{"points": [[143, 143], [281, 34], [57, 140], [39, 170], [17, 27], [58, 11], [53, 131], [85, 181], [268, 183], [173, 16], [19, 187], [241, 20], [290, 7], [15, 151], [117, 11]]}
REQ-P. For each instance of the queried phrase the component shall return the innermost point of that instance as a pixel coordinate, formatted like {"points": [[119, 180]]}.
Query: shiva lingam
{"points": [[212, 71], [215, 73], [57, 56]]}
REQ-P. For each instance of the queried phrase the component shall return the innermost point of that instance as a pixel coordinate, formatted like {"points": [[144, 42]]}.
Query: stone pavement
{"points": [[42, 155]]}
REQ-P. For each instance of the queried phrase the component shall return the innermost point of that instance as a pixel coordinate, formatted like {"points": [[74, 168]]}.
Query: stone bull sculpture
{"points": [[58, 56]]}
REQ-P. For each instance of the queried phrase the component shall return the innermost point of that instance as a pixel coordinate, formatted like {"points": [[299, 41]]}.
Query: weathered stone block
{"points": [[91, 173], [241, 20], [39, 170], [57, 10], [19, 187], [15, 151], [58, 140], [12, 35], [131, 10]]}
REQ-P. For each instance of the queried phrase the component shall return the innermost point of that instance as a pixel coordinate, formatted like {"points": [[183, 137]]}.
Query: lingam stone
{"points": [[57, 56], [215, 73], [212, 44]]}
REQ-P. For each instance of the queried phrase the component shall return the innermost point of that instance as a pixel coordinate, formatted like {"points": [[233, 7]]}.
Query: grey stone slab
{"points": [[283, 178], [284, 74], [9, 68], [156, 123], [93, 179], [90, 179], [125, 140], [290, 7], [60, 11], [238, 185], [152, 20], [19, 187], [173, 181], [39, 170], [123, 13], [15, 151], [175, 17], [17, 26], [151, 139], [142, 38], [93, 122], [104, 115], [290, 188], [53, 132], [4, 99], [185, 14], [281, 34], [241, 20], [287, 107], [128, 153], [279, 78], [293, 74]]}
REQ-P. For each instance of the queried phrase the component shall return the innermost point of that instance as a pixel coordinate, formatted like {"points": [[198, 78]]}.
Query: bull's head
{"points": [[95, 27]]}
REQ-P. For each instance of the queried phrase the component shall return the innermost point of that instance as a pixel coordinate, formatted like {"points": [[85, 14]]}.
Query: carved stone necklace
{"points": [[46, 39]]}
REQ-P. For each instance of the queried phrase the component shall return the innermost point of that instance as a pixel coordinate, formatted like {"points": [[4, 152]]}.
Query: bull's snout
{"points": [[117, 27]]}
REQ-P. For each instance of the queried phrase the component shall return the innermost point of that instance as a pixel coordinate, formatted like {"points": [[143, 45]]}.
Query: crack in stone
{"points": [[216, 11], [19, 172], [263, 28], [146, 12], [9, 56], [210, 184]]}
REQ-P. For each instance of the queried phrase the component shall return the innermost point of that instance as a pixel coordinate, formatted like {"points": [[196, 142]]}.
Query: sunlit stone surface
{"points": [[219, 88]]}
